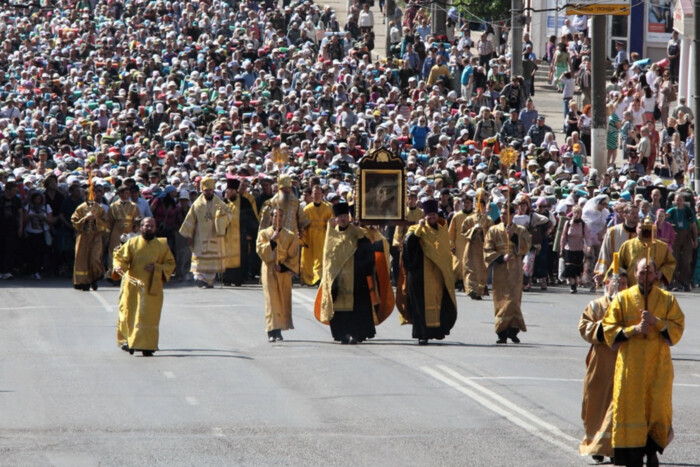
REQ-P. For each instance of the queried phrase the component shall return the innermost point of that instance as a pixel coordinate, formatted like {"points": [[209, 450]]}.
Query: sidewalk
{"points": [[341, 12]]}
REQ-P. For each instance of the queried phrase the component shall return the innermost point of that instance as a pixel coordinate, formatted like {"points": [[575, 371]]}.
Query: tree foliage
{"points": [[487, 9]]}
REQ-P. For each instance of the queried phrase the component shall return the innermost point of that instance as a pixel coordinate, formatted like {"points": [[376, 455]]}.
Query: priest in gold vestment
{"points": [[430, 282], [474, 229], [294, 217], [278, 249], [243, 226], [596, 409], [318, 212], [643, 321], [145, 264], [90, 224], [635, 249], [504, 248], [205, 230], [350, 297], [457, 241], [121, 216]]}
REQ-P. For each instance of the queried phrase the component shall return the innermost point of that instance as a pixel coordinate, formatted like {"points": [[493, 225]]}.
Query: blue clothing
{"points": [[528, 117], [419, 134], [467, 74]]}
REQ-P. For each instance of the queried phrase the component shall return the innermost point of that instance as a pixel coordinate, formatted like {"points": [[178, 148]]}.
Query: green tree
{"points": [[489, 9]]}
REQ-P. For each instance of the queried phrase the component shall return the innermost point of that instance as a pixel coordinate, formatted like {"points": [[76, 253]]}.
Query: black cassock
{"points": [[413, 264], [358, 323], [248, 224]]}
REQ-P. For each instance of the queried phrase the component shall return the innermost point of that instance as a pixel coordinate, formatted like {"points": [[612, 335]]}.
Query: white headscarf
{"points": [[595, 219]]}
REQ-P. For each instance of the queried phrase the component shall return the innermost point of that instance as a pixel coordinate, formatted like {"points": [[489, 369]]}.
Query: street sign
{"points": [[599, 7]]}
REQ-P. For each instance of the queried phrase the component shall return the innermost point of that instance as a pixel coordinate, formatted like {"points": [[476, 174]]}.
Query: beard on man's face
{"points": [[208, 196], [148, 235], [285, 195]]}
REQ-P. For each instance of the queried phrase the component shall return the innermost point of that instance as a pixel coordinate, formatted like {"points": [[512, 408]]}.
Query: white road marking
{"points": [[527, 378], [218, 432], [191, 400], [169, 374], [506, 403], [499, 410], [296, 295], [105, 304], [563, 380]]}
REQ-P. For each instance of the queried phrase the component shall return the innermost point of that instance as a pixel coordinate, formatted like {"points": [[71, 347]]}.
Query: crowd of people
{"points": [[231, 131], [144, 100]]}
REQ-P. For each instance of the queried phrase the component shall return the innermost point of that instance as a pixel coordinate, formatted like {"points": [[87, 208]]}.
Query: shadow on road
{"points": [[202, 353]]}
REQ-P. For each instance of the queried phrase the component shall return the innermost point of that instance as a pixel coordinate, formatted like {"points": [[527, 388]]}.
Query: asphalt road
{"points": [[217, 393]]}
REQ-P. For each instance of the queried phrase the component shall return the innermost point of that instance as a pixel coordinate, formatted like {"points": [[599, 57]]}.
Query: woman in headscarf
{"points": [[595, 213]]}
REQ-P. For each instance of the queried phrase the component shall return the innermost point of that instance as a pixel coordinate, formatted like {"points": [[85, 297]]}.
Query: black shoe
{"points": [[474, 296], [652, 459], [502, 340], [512, 333], [94, 285], [573, 288], [271, 339], [279, 335], [125, 347], [227, 284], [422, 341], [598, 458], [201, 284], [345, 340], [353, 341], [147, 353], [131, 351]]}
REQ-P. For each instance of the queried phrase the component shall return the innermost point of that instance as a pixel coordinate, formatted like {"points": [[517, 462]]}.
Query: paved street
{"points": [[217, 393]]}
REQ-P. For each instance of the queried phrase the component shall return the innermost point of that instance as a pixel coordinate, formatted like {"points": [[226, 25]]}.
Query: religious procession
{"points": [[265, 146]]}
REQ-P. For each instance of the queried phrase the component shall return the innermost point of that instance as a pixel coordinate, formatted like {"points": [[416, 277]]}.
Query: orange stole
{"points": [[386, 294]]}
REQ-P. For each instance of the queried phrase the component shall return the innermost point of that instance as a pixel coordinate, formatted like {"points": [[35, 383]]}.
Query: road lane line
{"points": [[506, 403], [169, 374], [527, 378], [302, 298], [105, 304], [191, 400], [486, 403]]}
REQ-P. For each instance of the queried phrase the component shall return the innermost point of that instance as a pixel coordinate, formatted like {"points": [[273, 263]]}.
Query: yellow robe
{"points": [[313, 239], [88, 243], [233, 235], [635, 250], [507, 277], [596, 409], [206, 224], [338, 264], [613, 240], [120, 220], [277, 286], [643, 368], [476, 273], [412, 217], [140, 306], [457, 242], [294, 216], [438, 272]]}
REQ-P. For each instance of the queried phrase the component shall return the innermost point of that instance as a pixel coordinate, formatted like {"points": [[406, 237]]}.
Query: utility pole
{"points": [[439, 18], [389, 13], [696, 62], [599, 121], [516, 34]]}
